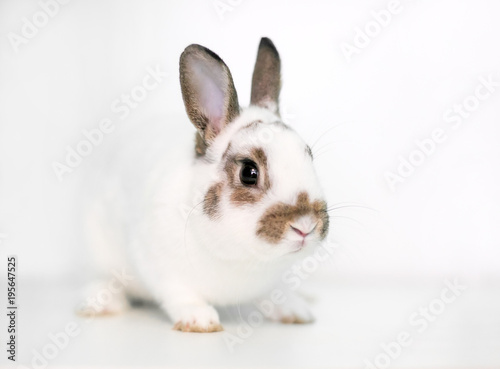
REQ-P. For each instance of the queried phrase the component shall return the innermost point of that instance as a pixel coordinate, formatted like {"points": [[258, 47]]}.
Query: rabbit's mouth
{"points": [[300, 246]]}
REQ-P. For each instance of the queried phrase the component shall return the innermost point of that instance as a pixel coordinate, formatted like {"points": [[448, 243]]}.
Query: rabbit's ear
{"points": [[266, 80], [208, 91]]}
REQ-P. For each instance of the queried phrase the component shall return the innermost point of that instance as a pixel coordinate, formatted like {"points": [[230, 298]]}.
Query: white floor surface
{"points": [[354, 317]]}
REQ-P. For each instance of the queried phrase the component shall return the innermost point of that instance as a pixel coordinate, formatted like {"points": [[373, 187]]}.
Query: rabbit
{"points": [[219, 219]]}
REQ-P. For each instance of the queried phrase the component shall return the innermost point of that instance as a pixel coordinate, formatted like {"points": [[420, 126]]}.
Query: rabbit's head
{"points": [[261, 196]]}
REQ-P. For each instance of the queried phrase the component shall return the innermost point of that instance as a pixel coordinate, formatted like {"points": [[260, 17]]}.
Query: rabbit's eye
{"points": [[249, 173]]}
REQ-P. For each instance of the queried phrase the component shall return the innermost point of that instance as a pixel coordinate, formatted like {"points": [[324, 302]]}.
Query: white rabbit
{"points": [[218, 221]]}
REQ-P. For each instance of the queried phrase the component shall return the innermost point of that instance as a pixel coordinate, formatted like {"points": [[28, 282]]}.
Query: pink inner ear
{"points": [[208, 82]]}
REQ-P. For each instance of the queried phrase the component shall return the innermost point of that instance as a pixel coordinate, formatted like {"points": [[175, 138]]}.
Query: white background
{"points": [[441, 222]]}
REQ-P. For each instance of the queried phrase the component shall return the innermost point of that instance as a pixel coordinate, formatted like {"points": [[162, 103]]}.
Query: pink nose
{"points": [[300, 232]]}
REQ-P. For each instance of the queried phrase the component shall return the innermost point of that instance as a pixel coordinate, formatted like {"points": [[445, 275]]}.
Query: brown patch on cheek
{"points": [[212, 200], [319, 208], [276, 220]]}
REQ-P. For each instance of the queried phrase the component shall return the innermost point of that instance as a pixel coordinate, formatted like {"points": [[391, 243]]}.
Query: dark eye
{"points": [[249, 173]]}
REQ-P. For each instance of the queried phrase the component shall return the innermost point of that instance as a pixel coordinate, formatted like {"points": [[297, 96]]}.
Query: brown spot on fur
{"points": [[260, 158], [227, 151], [242, 196], [212, 200], [230, 168], [276, 220], [319, 207], [200, 145]]}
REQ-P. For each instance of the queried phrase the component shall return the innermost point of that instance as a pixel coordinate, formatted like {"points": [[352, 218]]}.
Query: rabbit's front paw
{"points": [[100, 300], [198, 318], [293, 311]]}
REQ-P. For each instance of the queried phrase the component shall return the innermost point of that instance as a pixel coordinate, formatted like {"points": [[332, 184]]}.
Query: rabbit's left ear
{"points": [[208, 91], [266, 80]]}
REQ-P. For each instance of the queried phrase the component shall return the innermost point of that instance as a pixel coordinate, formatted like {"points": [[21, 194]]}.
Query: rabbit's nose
{"points": [[299, 232], [303, 227]]}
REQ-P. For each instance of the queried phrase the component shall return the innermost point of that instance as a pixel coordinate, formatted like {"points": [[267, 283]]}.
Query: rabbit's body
{"points": [[218, 223]]}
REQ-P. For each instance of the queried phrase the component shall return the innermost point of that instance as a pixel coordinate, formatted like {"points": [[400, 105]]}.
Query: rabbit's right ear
{"points": [[266, 79], [207, 90]]}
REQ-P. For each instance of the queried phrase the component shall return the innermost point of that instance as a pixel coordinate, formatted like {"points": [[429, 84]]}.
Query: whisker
{"points": [[320, 149], [325, 148], [354, 220], [325, 145], [325, 132], [336, 207], [318, 154]]}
